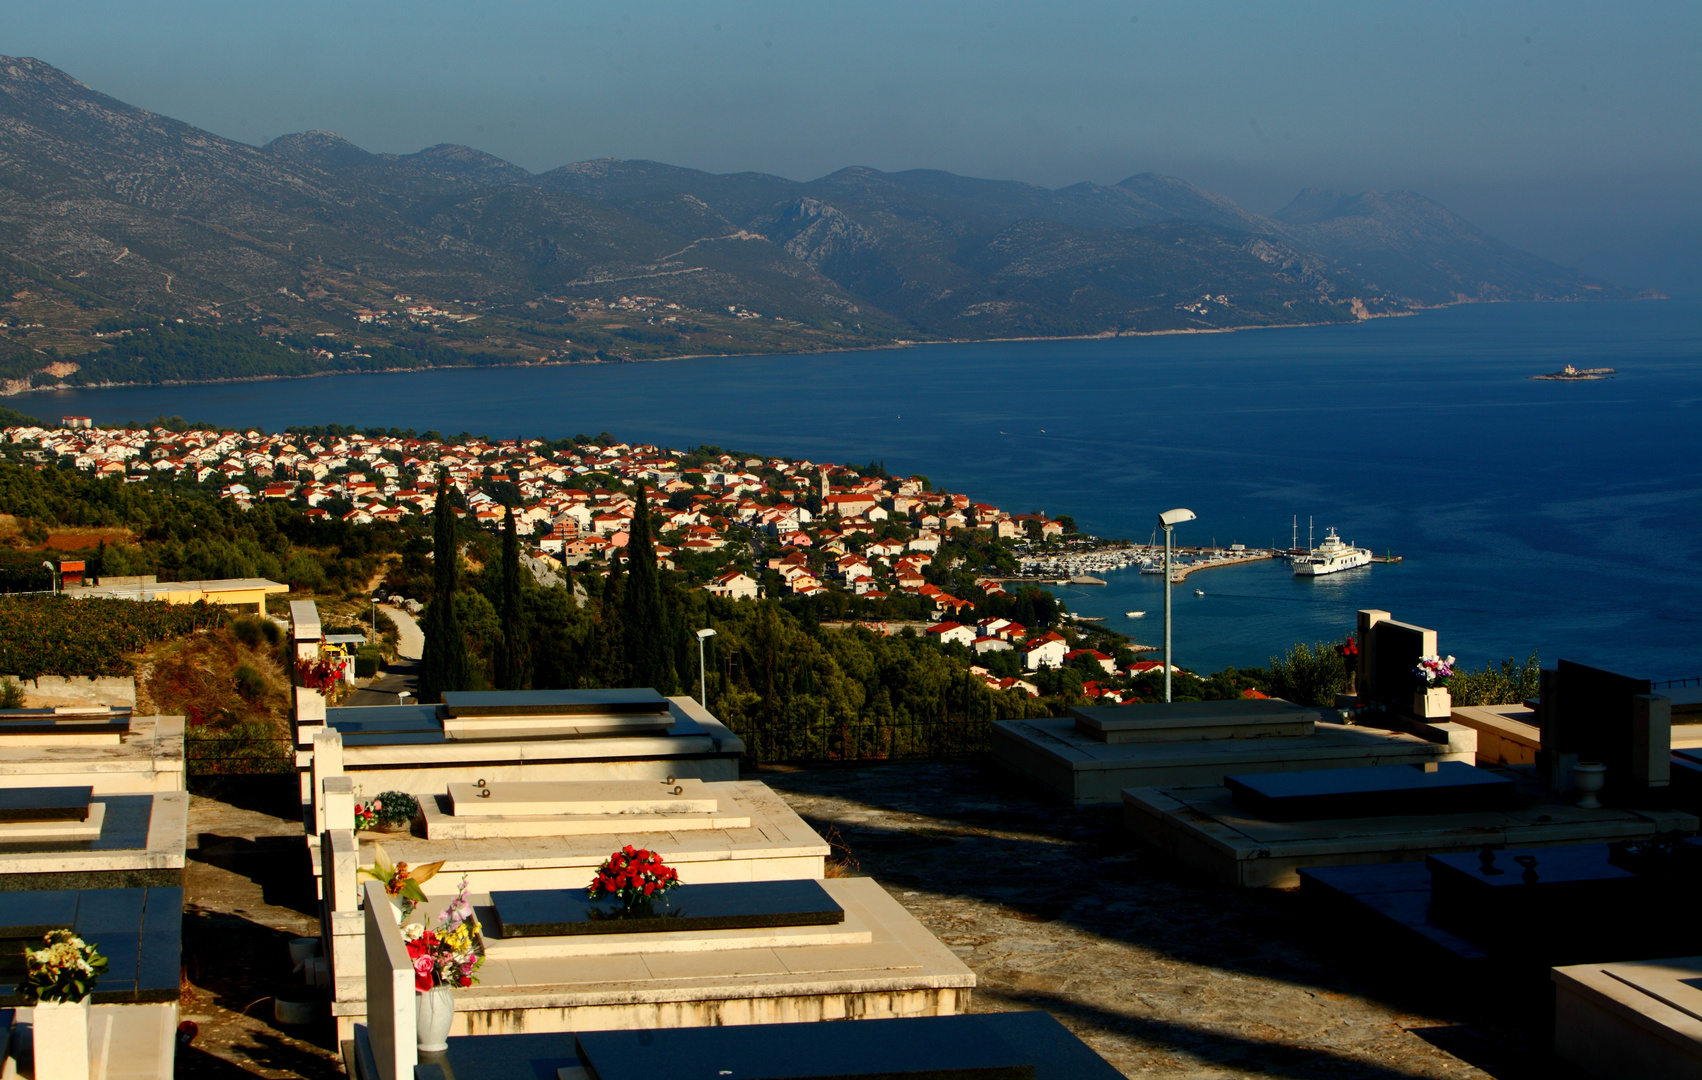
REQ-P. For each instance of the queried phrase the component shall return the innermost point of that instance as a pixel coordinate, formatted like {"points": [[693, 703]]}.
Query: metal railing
{"points": [[237, 755], [1671, 683]]}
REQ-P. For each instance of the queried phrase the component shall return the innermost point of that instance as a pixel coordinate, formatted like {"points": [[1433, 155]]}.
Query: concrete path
{"points": [[402, 674]]}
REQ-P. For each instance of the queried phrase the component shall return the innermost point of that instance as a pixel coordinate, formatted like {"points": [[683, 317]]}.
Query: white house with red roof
{"points": [[1048, 650], [949, 632]]}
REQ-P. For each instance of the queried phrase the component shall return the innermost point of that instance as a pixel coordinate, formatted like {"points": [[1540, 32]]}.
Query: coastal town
{"points": [[866, 544]]}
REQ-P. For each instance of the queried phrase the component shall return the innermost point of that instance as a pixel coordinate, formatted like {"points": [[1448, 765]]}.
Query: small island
{"points": [[1572, 374]]}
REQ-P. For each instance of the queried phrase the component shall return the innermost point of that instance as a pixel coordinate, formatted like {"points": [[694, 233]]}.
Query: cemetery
{"points": [[547, 882], [93, 814]]}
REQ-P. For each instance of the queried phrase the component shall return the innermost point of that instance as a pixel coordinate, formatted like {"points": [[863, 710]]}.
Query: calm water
{"points": [[1534, 516]]}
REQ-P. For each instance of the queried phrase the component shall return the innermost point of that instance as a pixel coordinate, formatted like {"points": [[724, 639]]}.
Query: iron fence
{"points": [[237, 755]]}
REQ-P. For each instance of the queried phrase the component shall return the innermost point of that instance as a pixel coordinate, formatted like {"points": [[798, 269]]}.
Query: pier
{"points": [[1179, 574]]}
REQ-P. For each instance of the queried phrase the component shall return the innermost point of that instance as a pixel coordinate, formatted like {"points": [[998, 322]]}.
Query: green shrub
{"points": [[248, 630], [250, 683], [366, 665], [1309, 675], [11, 695], [1511, 684]]}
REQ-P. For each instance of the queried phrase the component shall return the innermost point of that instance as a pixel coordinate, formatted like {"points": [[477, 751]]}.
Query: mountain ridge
{"points": [[110, 212]]}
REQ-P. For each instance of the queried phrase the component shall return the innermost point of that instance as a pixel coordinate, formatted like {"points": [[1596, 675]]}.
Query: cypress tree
{"points": [[515, 650], [648, 647], [611, 669], [444, 665]]}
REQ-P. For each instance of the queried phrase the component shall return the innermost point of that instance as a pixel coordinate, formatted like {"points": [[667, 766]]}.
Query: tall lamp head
{"points": [[705, 634], [1172, 518]]}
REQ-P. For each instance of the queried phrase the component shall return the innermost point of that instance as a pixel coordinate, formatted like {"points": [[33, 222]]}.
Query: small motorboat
{"points": [[1135, 614], [1199, 592]]}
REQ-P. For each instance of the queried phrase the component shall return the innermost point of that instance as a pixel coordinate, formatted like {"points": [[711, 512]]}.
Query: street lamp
{"points": [[51, 587], [702, 672], [1168, 521]]}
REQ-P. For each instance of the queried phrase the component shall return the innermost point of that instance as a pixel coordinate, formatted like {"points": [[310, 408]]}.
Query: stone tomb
{"points": [[738, 831], [1631, 1021], [573, 735], [1531, 908], [878, 961], [1589, 715], [1092, 754], [120, 841], [986, 1046], [576, 808], [1379, 791], [520, 714], [108, 749], [1207, 828]]}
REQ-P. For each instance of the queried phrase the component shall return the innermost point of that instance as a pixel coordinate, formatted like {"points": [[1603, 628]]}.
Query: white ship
{"points": [[1330, 556]]}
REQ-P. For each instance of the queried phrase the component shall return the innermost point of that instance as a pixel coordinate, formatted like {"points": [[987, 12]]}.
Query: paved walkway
{"points": [[401, 674]]}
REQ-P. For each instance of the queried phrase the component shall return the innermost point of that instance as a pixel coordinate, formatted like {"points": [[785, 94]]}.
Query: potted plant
{"points": [[1431, 699], [634, 876], [388, 811], [59, 977], [445, 956]]}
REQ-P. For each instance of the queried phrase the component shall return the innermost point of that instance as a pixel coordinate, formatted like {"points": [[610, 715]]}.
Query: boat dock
{"points": [[1386, 558], [1179, 574]]}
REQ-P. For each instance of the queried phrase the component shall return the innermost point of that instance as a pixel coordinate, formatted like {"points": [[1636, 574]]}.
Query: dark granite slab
{"points": [[405, 725], [739, 905], [45, 803], [139, 931], [555, 703], [48, 722], [1378, 791], [124, 828], [983, 1046]]}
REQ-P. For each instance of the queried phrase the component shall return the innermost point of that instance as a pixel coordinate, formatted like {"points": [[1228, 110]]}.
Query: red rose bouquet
{"points": [[636, 876]]}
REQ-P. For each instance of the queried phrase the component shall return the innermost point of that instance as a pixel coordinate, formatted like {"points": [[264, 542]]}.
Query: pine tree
{"points": [[514, 654], [648, 647], [444, 665]]}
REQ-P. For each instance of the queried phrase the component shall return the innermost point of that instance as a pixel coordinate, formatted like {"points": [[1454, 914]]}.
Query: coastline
{"points": [[906, 343]]}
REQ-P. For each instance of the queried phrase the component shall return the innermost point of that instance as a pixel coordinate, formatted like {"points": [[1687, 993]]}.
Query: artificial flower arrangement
{"points": [[64, 969], [325, 673], [448, 953], [401, 882], [387, 810], [1433, 670], [634, 876]]}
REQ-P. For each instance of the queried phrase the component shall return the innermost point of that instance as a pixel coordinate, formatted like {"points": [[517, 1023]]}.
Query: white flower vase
{"points": [[1433, 703], [1589, 777], [434, 1012], [59, 1032]]}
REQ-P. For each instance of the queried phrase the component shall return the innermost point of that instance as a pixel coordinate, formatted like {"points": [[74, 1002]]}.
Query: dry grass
{"points": [[196, 678]]}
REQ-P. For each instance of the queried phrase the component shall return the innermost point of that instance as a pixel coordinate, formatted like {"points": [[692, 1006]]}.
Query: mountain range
{"points": [[307, 253]]}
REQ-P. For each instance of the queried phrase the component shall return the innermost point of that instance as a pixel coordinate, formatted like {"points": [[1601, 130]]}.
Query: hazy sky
{"points": [[1572, 129]]}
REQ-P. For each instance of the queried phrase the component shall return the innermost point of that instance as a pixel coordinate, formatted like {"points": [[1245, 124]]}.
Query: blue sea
{"points": [[1557, 518]]}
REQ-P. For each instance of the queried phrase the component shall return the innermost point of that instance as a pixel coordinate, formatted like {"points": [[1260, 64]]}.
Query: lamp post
{"points": [[702, 672], [52, 586], [1168, 521]]}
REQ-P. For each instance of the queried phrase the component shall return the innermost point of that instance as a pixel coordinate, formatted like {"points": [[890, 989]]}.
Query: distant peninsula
{"points": [[1573, 374]]}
